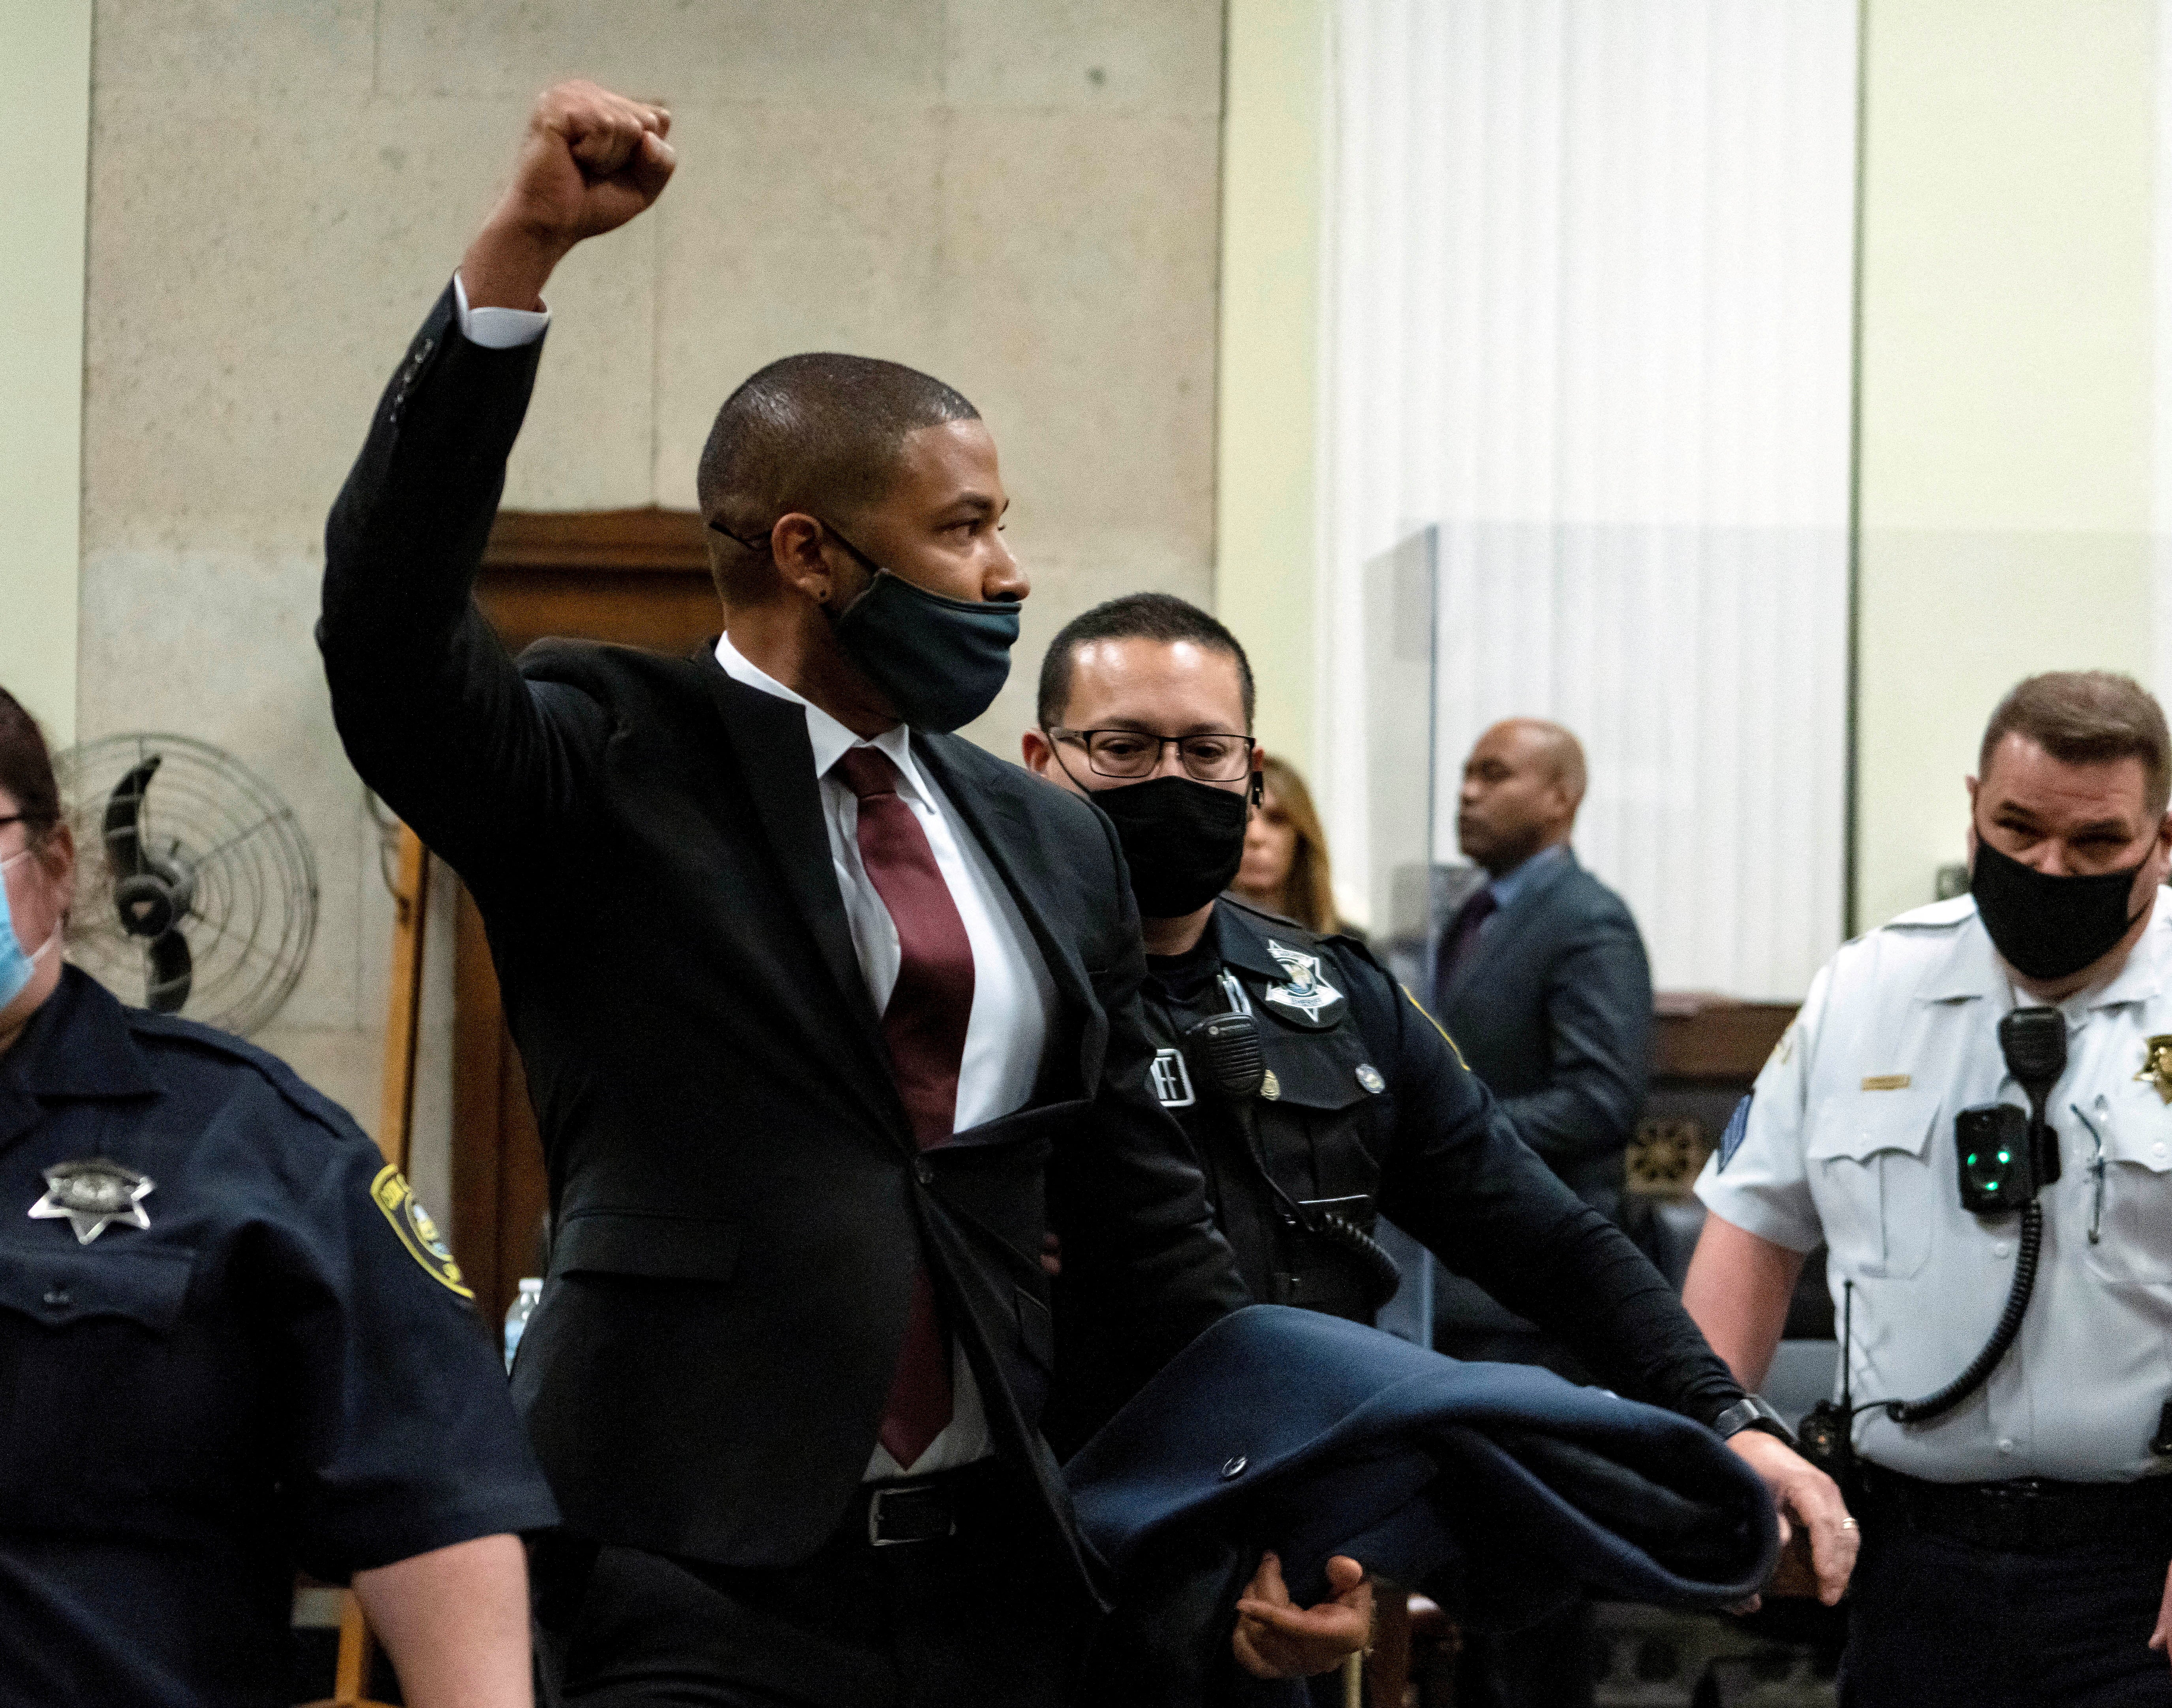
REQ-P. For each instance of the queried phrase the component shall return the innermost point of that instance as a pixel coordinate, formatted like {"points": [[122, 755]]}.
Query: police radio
{"points": [[2005, 1159], [2005, 1155]]}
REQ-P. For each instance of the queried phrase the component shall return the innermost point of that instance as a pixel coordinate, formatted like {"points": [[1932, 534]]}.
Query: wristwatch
{"points": [[1753, 1411]]}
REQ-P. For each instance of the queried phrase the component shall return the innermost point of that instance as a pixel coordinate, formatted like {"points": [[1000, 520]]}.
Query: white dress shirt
{"points": [[1013, 996]]}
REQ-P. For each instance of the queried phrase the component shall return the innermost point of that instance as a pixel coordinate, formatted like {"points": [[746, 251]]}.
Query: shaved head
{"points": [[819, 434], [1551, 746], [1521, 788]]}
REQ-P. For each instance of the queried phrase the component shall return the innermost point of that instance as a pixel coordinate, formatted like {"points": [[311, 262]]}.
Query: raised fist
{"points": [[590, 162]]}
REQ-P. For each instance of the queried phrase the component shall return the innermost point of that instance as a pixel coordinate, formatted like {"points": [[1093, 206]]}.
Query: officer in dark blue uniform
{"points": [[1318, 1095], [232, 1345]]}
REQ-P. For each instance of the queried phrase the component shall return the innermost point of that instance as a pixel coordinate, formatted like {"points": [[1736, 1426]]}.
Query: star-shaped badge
{"points": [[93, 1194], [1306, 998], [2156, 1065]]}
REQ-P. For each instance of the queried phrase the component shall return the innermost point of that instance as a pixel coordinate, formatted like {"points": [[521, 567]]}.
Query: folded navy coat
{"points": [[1502, 1486]]}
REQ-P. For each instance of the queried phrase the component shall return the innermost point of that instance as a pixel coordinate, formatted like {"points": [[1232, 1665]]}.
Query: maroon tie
{"points": [[924, 1023]]}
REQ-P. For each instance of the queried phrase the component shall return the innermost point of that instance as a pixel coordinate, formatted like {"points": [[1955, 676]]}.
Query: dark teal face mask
{"points": [[940, 662]]}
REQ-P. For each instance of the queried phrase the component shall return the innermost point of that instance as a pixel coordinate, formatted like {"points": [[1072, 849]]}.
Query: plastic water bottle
{"points": [[516, 1317]]}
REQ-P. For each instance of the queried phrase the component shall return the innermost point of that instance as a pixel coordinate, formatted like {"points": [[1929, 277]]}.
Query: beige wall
{"points": [[2007, 389], [1267, 415], [45, 86], [1019, 194]]}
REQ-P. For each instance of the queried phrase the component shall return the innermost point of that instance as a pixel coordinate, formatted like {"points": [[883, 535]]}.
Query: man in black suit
{"points": [[829, 1018], [1540, 978]]}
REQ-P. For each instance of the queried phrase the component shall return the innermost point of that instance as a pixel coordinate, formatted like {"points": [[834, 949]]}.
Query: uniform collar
{"points": [[1971, 967], [77, 1046], [830, 740], [1241, 937]]}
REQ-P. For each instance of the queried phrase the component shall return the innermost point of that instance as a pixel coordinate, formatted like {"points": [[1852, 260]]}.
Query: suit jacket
{"points": [[1553, 1010], [1501, 1486], [737, 1202]]}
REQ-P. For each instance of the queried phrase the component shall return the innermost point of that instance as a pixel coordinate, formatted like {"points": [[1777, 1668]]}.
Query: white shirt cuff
{"points": [[498, 329]]}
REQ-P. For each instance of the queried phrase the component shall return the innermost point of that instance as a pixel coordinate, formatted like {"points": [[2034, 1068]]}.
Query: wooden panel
{"points": [[1696, 1037], [480, 1048], [641, 542], [635, 577]]}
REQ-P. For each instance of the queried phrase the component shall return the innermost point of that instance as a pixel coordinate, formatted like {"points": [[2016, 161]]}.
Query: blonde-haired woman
{"points": [[1286, 868]]}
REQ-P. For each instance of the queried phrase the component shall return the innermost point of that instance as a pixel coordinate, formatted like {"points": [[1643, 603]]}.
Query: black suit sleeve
{"points": [[433, 714], [1456, 1177], [1598, 1001]]}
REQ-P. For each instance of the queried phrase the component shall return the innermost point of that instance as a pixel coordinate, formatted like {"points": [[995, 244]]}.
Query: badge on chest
{"points": [[93, 1194], [1305, 998], [2157, 1065]]}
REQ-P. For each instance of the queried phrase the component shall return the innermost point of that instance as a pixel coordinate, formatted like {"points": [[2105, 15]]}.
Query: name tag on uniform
{"points": [[1885, 1081], [1172, 1080]]}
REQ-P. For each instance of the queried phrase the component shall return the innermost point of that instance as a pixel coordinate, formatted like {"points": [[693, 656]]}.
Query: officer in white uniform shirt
{"points": [[2016, 1545]]}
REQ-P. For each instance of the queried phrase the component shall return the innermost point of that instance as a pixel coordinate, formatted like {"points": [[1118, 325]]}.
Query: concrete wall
{"points": [[2008, 341], [45, 85], [1268, 413], [1019, 195]]}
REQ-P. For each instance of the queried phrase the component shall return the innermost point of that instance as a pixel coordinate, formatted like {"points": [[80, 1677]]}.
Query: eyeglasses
{"points": [[1132, 753]]}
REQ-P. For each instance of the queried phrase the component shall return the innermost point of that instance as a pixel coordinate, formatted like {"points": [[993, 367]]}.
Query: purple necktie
{"points": [[924, 1024]]}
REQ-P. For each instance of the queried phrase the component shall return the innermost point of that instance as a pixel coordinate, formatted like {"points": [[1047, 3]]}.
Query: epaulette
{"points": [[303, 1098]]}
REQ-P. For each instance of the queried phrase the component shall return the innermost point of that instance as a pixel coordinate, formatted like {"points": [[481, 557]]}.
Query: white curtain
{"points": [[1589, 276]]}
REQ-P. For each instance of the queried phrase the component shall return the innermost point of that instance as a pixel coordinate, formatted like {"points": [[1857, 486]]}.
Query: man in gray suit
{"points": [[1541, 980]]}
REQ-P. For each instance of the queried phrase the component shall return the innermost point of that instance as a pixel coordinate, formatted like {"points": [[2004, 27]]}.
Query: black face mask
{"points": [[1183, 841], [2049, 927]]}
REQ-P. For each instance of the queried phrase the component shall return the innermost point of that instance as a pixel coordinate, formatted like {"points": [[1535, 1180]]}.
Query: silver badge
{"points": [[93, 1194], [1172, 1082], [1307, 995], [1369, 1077]]}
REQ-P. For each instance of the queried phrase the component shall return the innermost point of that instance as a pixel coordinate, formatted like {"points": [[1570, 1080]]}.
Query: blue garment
{"points": [[18, 962], [1520, 877], [1288, 1428], [267, 1362]]}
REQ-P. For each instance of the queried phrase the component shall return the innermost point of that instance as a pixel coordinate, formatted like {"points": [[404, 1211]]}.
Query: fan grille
{"points": [[252, 910]]}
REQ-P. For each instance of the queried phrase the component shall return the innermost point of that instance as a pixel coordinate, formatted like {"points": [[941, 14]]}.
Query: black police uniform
{"points": [[1366, 1110], [231, 1346]]}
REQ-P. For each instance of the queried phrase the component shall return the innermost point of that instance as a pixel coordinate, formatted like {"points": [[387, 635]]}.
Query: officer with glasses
{"points": [[1317, 1094]]}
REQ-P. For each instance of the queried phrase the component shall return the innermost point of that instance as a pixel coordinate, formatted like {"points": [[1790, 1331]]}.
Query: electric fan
{"points": [[196, 891]]}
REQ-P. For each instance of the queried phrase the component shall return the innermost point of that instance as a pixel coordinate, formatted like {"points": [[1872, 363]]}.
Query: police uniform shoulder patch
{"points": [[1737, 1129], [391, 1192], [1305, 997]]}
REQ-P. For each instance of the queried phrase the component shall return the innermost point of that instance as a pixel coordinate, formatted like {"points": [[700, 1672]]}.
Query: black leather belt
{"points": [[2027, 1515], [920, 1509]]}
